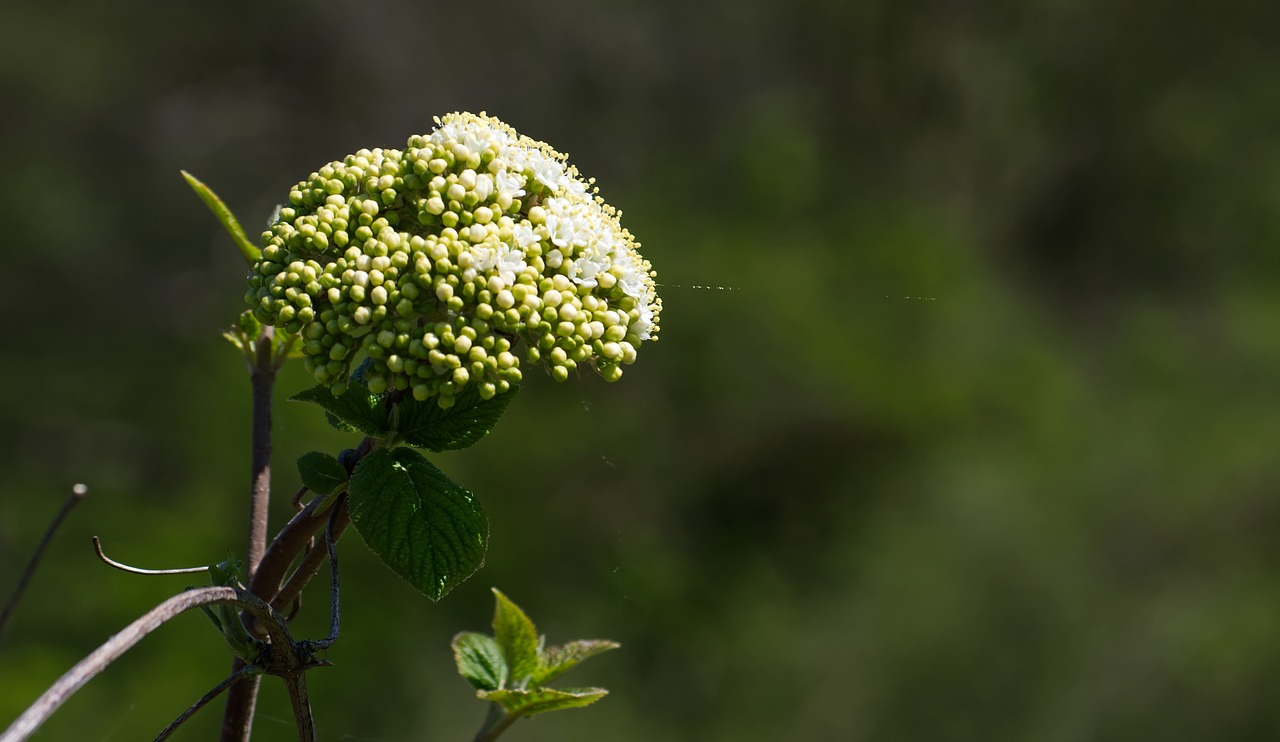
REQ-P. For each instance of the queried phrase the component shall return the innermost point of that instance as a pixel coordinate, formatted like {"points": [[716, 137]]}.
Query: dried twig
{"points": [[296, 502], [97, 547], [77, 494], [284, 657], [205, 699]]}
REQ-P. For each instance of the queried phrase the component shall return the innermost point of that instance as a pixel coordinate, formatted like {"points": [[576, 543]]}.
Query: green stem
{"points": [[495, 724]]}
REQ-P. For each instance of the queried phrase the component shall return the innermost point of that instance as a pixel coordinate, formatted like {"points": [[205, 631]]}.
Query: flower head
{"points": [[447, 261]]}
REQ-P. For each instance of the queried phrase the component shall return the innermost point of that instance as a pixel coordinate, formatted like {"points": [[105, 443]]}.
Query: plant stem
{"points": [[77, 494], [495, 724], [237, 717], [242, 699], [309, 566], [292, 540], [199, 704], [263, 379], [297, 686]]}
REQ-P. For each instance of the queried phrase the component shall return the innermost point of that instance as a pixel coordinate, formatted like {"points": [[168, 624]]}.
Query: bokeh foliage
{"points": [[1039, 502]]}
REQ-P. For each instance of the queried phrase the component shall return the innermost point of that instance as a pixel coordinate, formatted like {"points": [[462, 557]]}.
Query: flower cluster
{"points": [[450, 261]]}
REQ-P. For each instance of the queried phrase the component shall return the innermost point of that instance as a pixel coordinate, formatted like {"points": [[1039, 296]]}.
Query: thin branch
{"points": [[97, 546], [205, 699], [283, 653], [263, 379], [294, 607], [243, 698], [297, 498], [237, 715], [287, 545], [265, 582], [296, 684], [77, 494], [292, 540], [310, 564]]}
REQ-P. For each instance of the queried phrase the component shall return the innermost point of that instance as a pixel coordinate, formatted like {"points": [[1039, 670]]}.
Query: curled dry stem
{"points": [[97, 547]]}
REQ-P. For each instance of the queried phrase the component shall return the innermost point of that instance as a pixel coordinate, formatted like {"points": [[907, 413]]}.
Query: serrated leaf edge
{"points": [[505, 607]]}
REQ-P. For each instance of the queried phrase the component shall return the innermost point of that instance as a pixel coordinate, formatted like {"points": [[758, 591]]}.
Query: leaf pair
{"points": [[512, 667], [246, 333]]}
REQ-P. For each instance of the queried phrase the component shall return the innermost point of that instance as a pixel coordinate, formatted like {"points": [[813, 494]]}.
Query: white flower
{"points": [[561, 229], [586, 267], [644, 323], [511, 183], [509, 264], [524, 235], [632, 280], [547, 171], [483, 258]]}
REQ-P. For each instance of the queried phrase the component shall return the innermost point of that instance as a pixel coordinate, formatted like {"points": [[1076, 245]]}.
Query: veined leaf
{"points": [[555, 661], [422, 524], [541, 700], [321, 473], [425, 425], [357, 410], [479, 661], [516, 636]]}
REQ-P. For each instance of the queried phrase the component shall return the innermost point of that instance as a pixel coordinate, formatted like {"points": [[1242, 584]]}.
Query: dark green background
{"points": [[977, 442]]}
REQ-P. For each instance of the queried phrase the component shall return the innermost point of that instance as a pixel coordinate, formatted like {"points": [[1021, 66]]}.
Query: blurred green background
{"points": [[976, 441]]}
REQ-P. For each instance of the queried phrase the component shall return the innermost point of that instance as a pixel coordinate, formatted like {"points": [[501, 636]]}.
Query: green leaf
{"points": [[321, 473], [425, 425], [236, 341], [355, 411], [224, 216], [226, 574], [479, 660], [286, 345], [541, 700], [227, 617], [249, 325], [517, 636], [424, 526], [244, 335], [555, 661]]}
